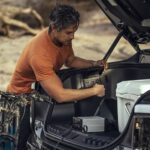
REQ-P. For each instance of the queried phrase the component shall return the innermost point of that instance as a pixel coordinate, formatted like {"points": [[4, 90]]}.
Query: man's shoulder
{"points": [[40, 40], [41, 35]]}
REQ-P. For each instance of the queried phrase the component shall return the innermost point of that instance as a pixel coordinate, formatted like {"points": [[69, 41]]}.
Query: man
{"points": [[46, 53]]}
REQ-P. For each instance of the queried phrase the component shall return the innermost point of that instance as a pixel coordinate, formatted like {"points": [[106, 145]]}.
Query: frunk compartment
{"points": [[59, 124]]}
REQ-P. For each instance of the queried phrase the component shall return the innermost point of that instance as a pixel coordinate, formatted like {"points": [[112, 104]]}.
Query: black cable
{"points": [[99, 106], [100, 82]]}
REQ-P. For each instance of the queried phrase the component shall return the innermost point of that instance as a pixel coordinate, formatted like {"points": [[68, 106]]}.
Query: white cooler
{"points": [[127, 93]]}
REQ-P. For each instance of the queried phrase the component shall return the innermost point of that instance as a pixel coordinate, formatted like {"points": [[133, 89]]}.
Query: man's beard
{"points": [[60, 44]]}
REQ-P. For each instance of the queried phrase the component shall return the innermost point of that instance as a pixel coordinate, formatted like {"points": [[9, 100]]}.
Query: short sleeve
{"points": [[42, 67]]}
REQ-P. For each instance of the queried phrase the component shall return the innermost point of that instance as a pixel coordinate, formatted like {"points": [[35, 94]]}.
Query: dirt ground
{"points": [[92, 40]]}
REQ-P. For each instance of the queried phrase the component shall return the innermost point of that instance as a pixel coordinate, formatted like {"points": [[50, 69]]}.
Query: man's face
{"points": [[65, 36]]}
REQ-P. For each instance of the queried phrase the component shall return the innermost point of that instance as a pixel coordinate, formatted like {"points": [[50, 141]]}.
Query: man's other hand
{"points": [[99, 90], [99, 63]]}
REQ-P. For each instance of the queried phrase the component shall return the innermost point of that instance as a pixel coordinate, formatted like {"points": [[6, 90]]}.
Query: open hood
{"points": [[132, 17]]}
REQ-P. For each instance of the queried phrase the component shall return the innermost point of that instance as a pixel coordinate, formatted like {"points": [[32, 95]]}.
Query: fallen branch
{"points": [[7, 19]]}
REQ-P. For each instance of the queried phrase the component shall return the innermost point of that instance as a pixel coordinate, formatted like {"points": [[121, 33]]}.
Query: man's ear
{"points": [[54, 28]]}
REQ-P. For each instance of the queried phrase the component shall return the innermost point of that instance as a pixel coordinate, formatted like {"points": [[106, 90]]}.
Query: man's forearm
{"points": [[77, 62], [68, 95]]}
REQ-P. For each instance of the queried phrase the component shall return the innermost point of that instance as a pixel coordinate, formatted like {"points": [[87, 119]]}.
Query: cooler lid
{"points": [[134, 88], [142, 108], [131, 15]]}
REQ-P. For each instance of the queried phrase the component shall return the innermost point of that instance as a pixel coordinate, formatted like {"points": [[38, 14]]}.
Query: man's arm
{"points": [[77, 62], [54, 88]]}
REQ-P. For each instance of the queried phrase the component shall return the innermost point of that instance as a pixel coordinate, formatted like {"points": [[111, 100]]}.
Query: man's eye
{"points": [[68, 33]]}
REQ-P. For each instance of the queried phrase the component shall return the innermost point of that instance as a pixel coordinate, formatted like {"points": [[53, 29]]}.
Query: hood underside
{"points": [[131, 16]]}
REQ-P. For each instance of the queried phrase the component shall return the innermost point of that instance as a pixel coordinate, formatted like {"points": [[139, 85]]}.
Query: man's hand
{"points": [[99, 63], [99, 90]]}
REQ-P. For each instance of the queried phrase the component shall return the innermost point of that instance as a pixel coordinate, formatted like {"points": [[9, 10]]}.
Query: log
{"points": [[7, 19]]}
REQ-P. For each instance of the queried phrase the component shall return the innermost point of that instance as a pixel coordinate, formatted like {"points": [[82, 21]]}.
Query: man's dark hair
{"points": [[62, 16]]}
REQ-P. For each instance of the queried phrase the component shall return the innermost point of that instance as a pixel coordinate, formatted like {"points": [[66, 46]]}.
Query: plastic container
{"points": [[127, 93]]}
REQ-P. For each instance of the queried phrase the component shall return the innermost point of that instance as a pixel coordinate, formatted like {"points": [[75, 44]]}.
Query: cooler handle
{"points": [[127, 109]]}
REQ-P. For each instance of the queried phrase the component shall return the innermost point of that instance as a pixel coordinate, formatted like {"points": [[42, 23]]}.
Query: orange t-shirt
{"points": [[39, 61]]}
